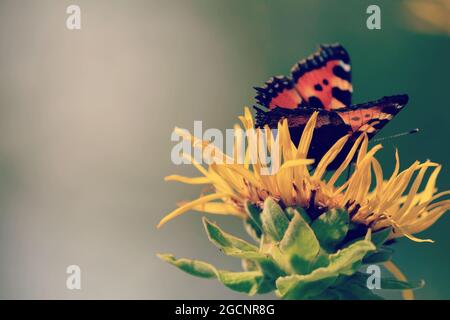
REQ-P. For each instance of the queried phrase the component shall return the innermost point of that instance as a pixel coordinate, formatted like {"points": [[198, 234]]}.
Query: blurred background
{"points": [[86, 118]]}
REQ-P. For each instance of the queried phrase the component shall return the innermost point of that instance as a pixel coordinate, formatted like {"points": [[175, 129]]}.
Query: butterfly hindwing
{"points": [[328, 129], [372, 116], [324, 79]]}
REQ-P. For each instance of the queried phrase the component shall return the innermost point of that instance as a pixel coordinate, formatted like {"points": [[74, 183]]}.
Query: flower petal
{"points": [[190, 205]]}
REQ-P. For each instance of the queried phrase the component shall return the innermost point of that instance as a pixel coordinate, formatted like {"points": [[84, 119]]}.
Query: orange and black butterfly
{"points": [[322, 82]]}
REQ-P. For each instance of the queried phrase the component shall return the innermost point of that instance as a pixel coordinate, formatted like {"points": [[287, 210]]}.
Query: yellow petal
{"points": [[431, 185], [402, 214], [404, 232], [363, 149], [190, 205], [218, 208], [296, 163], [218, 182], [187, 180], [346, 162], [378, 175], [329, 157], [307, 135]]}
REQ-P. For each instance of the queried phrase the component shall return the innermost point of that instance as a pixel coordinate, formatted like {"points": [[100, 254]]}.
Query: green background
{"points": [[86, 118]]}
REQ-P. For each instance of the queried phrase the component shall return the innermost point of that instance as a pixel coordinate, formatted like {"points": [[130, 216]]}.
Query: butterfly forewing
{"points": [[324, 79]]}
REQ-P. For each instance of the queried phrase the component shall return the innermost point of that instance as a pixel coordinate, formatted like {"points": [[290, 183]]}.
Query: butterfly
{"points": [[322, 83]]}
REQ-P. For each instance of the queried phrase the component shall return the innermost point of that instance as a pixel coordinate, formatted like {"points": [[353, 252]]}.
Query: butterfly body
{"points": [[322, 83]]}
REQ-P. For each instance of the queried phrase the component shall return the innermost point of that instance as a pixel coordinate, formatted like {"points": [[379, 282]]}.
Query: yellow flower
{"points": [[366, 195]]}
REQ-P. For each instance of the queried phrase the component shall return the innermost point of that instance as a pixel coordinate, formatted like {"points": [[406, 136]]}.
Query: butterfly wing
{"points": [[324, 79], [372, 116], [329, 127], [369, 117], [278, 92]]}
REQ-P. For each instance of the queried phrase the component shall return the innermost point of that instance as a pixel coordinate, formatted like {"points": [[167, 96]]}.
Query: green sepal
{"points": [[298, 287], [274, 220], [381, 255], [291, 212], [352, 289], [252, 229], [348, 288], [248, 282], [354, 254], [229, 244], [331, 228], [394, 284], [380, 237], [254, 213], [299, 245], [388, 283], [345, 262], [304, 214], [193, 267], [235, 247]]}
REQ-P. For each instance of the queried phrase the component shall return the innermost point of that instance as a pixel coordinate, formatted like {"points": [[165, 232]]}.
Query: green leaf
{"points": [[193, 267], [298, 287], [353, 291], [360, 278], [252, 229], [348, 260], [254, 213], [228, 243], [345, 262], [322, 259], [300, 245], [274, 220], [354, 288], [292, 212], [377, 238], [247, 281], [379, 256], [394, 284], [388, 283], [331, 227], [235, 247], [380, 237], [348, 291], [304, 214], [270, 272]]}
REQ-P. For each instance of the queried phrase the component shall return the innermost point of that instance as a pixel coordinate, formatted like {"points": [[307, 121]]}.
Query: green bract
{"points": [[296, 257]]}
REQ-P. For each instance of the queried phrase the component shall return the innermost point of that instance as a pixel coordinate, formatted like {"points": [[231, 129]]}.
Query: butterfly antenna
{"points": [[397, 135]]}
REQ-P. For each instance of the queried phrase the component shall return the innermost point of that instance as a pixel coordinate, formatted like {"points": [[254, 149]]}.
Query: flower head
{"points": [[314, 229], [370, 199]]}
